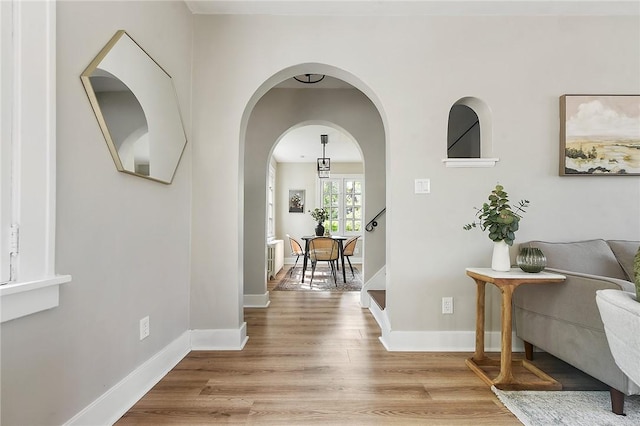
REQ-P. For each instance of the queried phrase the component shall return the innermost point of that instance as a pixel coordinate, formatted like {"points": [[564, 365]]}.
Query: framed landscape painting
{"points": [[600, 135]]}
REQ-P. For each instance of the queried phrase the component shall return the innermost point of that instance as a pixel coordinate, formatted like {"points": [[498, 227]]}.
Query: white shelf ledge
{"points": [[470, 162], [26, 298]]}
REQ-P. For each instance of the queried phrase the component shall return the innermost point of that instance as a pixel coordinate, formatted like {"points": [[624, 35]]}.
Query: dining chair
{"points": [[296, 250], [349, 248], [324, 249]]}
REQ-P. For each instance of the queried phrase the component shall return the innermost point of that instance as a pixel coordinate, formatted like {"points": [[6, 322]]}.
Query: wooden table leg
{"points": [[480, 300], [506, 370]]}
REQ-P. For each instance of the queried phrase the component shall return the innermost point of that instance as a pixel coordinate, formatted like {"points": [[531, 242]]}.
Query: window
{"points": [[352, 205], [6, 102], [343, 196], [27, 157], [271, 188]]}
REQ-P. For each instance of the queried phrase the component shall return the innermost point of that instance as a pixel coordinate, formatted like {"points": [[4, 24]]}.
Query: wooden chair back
{"points": [[296, 247], [350, 245], [323, 249]]}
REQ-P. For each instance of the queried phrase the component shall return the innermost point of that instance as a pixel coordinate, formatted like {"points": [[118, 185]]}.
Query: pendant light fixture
{"points": [[309, 78], [324, 163]]}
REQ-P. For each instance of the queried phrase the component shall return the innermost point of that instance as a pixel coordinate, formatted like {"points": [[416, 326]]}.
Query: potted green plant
{"points": [[320, 216], [501, 221]]}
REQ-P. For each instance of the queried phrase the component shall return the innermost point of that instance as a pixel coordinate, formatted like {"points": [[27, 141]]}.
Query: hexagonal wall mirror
{"points": [[136, 105]]}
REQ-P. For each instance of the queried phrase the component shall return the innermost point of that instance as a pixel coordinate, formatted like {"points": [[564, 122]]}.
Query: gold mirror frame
{"points": [[136, 106]]}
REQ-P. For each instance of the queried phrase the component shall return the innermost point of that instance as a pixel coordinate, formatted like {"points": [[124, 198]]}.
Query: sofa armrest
{"points": [[621, 284], [573, 301], [620, 312]]}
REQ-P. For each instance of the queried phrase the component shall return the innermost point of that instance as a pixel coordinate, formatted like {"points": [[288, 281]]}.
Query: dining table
{"points": [[340, 239]]}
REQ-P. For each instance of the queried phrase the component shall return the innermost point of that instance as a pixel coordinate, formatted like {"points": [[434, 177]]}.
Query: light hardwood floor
{"points": [[315, 358]]}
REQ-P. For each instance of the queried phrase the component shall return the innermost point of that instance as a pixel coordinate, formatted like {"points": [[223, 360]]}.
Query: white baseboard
{"points": [[442, 341], [232, 339], [256, 300], [115, 402]]}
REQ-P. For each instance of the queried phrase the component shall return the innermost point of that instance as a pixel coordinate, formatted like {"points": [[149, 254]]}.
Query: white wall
{"points": [[414, 68], [124, 239]]}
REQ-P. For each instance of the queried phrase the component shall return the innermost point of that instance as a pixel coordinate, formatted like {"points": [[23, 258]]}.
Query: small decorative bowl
{"points": [[531, 259]]}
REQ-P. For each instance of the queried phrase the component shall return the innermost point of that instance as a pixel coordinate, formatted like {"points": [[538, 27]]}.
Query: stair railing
{"points": [[463, 135], [373, 223]]}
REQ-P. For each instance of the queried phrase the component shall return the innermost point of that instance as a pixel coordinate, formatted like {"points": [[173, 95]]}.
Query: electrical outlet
{"points": [[447, 305], [144, 328]]}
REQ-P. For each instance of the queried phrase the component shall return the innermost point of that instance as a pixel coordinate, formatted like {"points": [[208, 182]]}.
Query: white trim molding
{"points": [[232, 339], [256, 300], [26, 298], [115, 402], [33, 285], [442, 341], [470, 162]]}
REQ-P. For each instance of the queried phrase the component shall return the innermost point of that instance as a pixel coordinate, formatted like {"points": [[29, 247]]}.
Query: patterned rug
{"points": [[322, 280], [568, 408]]}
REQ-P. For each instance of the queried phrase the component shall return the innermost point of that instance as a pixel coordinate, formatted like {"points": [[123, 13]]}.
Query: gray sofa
{"points": [[563, 319]]}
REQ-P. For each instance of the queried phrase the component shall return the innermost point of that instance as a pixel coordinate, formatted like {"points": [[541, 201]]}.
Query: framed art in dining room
{"points": [[296, 201], [600, 135]]}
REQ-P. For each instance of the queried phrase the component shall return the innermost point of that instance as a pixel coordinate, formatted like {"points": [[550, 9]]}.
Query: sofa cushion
{"points": [[593, 257], [625, 251]]}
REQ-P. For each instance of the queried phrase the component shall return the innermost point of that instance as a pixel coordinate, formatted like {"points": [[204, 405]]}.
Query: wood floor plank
{"points": [[315, 358]]}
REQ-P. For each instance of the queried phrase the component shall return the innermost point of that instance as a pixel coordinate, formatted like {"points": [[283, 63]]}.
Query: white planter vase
{"points": [[500, 261]]}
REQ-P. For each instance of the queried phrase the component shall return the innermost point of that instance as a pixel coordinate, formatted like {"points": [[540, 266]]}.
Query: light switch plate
{"points": [[423, 186]]}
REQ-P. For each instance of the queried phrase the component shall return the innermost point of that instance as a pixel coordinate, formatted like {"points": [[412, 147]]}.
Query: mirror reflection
{"points": [[137, 109]]}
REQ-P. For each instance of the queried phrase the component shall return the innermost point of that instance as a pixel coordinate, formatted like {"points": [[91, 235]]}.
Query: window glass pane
{"points": [[342, 198]]}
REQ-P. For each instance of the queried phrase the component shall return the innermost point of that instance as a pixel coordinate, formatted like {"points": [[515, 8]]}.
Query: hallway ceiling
{"points": [[302, 145], [416, 7]]}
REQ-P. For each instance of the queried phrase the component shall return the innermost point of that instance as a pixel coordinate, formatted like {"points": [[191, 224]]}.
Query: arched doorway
{"points": [[293, 172], [276, 109]]}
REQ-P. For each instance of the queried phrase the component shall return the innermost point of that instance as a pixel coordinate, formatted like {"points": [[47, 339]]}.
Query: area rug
{"points": [[569, 408], [322, 280]]}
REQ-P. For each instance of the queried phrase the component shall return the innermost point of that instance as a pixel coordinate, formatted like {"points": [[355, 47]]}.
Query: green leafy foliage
{"points": [[498, 218], [320, 215]]}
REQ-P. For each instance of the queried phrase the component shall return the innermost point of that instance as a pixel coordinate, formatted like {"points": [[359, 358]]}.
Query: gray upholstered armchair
{"points": [[620, 311], [564, 320]]}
